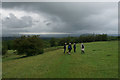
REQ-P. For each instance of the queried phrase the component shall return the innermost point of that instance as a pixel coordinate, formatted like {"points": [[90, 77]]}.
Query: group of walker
{"points": [[74, 46]]}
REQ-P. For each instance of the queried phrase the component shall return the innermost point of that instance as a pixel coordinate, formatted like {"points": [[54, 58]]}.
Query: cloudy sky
{"points": [[59, 17]]}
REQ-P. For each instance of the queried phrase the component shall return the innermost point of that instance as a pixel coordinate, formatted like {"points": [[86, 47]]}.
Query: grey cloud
{"points": [[13, 22], [48, 24], [12, 25], [72, 17], [12, 32]]}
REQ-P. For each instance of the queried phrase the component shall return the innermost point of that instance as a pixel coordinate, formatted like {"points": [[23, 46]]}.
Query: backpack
{"points": [[69, 47]]}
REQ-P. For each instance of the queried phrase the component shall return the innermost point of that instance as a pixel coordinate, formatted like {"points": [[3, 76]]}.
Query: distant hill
{"points": [[9, 38], [56, 36]]}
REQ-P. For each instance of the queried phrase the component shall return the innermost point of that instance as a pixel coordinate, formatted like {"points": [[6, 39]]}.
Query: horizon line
{"points": [[43, 33]]}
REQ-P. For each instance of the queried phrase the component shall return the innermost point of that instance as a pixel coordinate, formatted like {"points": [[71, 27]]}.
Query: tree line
{"points": [[82, 39], [34, 45]]}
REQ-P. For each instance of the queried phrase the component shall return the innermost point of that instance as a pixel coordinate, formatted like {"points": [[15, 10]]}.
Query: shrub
{"points": [[29, 45], [4, 48], [53, 42]]}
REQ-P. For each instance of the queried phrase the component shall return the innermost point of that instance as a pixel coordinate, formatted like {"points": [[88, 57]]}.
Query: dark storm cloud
{"points": [[12, 25], [70, 17], [13, 22]]}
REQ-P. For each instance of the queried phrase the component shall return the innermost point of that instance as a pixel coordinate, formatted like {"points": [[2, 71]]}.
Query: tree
{"points": [[101, 37], [4, 48], [29, 45], [53, 42]]}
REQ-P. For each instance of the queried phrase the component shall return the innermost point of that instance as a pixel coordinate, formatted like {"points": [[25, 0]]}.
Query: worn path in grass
{"points": [[99, 61]]}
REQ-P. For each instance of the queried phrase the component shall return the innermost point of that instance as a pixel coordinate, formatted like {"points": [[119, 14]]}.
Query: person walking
{"points": [[69, 48], [65, 48], [74, 46], [82, 48]]}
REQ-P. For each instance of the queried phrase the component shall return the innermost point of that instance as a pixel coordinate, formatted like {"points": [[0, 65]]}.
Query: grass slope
{"points": [[99, 61]]}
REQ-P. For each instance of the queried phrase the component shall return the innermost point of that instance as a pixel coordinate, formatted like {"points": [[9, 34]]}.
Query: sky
{"points": [[56, 18]]}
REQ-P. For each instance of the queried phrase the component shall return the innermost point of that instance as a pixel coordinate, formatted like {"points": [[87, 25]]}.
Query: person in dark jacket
{"points": [[65, 47], [69, 48], [82, 48], [74, 46]]}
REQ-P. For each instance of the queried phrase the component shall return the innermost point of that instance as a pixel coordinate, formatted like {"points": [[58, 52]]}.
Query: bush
{"points": [[4, 51], [46, 44], [53, 42], [4, 48], [29, 45]]}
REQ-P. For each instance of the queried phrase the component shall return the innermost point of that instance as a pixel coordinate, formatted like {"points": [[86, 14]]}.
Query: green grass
{"points": [[11, 54], [99, 61]]}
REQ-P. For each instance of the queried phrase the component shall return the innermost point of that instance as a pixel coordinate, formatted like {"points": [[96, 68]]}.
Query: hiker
{"points": [[82, 48], [65, 47], [74, 46], [69, 48]]}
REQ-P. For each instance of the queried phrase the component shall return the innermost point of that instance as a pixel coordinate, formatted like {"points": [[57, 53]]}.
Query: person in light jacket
{"points": [[82, 48]]}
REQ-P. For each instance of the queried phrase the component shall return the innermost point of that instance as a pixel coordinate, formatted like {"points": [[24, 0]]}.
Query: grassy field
{"points": [[99, 61]]}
